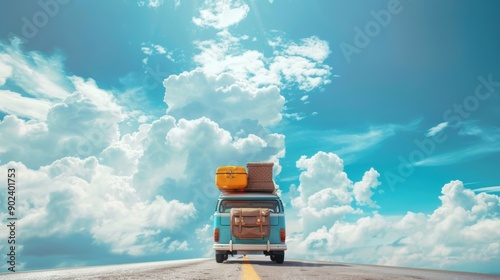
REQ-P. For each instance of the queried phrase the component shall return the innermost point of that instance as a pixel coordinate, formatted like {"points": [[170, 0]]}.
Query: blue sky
{"points": [[381, 119]]}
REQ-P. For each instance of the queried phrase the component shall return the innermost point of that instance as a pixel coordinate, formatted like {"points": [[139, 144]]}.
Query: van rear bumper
{"points": [[249, 247]]}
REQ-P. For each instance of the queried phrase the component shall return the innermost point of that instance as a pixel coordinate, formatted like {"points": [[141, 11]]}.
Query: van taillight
{"points": [[216, 235], [282, 235]]}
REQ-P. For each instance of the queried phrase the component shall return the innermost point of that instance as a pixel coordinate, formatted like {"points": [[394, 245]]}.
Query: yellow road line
{"points": [[247, 271]]}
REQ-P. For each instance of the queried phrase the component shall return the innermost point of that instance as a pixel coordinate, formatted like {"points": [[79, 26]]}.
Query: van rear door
{"points": [[272, 206]]}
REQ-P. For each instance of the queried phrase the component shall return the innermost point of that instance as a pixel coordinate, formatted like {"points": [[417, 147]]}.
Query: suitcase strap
{"points": [[241, 222], [259, 222]]}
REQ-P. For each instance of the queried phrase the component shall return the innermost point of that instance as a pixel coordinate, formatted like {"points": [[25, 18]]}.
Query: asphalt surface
{"points": [[253, 267]]}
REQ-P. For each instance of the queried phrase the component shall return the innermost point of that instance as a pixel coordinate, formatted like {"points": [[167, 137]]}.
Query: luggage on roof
{"points": [[260, 177], [235, 178], [231, 177]]}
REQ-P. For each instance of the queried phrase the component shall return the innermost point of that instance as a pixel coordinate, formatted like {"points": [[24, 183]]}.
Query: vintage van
{"points": [[249, 223]]}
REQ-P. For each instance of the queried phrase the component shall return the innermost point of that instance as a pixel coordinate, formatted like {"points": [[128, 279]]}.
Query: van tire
{"points": [[219, 258], [279, 258]]}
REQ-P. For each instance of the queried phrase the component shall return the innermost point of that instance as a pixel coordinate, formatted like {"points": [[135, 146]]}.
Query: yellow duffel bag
{"points": [[231, 177]]}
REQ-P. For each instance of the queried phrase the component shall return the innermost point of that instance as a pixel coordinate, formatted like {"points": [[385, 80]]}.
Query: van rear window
{"points": [[226, 205]]}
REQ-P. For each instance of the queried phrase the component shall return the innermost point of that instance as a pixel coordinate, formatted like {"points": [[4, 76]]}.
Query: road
{"points": [[252, 267]]}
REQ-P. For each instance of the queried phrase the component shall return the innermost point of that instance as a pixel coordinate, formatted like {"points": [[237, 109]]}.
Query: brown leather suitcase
{"points": [[249, 223], [260, 177]]}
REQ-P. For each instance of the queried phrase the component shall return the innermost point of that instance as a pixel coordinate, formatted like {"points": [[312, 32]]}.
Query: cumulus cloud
{"points": [[176, 245], [311, 47], [362, 189], [146, 184], [459, 234], [136, 178], [225, 55], [221, 14], [222, 98], [302, 64], [326, 194], [170, 163], [74, 195], [83, 124], [293, 64], [123, 154], [323, 170]]}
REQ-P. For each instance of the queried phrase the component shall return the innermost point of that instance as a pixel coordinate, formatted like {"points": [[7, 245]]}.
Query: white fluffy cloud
{"points": [[225, 55], [301, 64], [222, 98], [311, 47], [323, 170], [221, 14], [145, 183], [459, 234], [83, 124], [224, 60], [124, 155], [74, 195], [362, 189], [173, 151], [325, 193], [293, 64]]}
